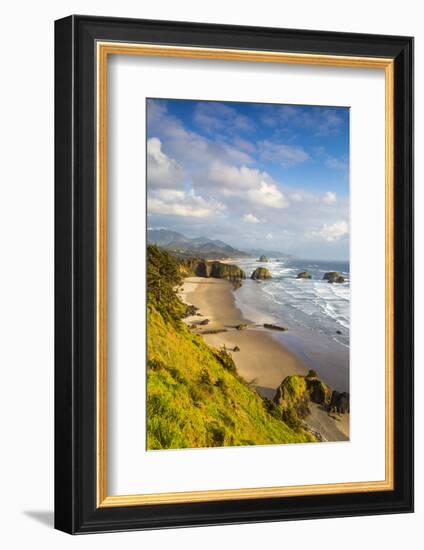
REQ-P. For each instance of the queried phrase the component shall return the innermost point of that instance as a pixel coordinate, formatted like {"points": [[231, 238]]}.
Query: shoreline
{"points": [[262, 359]]}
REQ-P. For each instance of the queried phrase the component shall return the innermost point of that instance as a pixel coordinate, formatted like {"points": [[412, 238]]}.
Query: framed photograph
{"points": [[234, 254]]}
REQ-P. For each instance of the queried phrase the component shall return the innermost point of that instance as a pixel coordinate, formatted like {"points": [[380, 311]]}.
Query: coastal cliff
{"points": [[195, 396]]}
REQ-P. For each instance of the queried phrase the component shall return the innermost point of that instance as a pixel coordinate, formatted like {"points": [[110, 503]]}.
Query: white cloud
{"points": [[244, 145], [329, 198], [332, 232], [323, 121], [267, 194], [296, 197], [247, 184], [250, 218], [188, 147], [286, 155], [162, 171], [214, 116], [203, 182], [329, 123], [336, 164], [181, 203], [196, 152]]}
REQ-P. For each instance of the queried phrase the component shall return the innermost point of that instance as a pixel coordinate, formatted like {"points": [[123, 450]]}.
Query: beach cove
{"points": [[260, 357]]}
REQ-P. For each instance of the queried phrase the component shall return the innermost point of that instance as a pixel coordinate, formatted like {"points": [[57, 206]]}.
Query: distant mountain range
{"points": [[212, 249], [198, 246]]}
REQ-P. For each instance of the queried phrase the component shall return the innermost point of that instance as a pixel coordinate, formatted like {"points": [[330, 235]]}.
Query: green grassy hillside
{"points": [[195, 398]]}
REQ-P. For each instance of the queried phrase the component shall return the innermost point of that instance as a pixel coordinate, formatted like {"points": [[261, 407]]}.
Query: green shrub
{"points": [[272, 408], [291, 419], [205, 377], [216, 434], [225, 358]]}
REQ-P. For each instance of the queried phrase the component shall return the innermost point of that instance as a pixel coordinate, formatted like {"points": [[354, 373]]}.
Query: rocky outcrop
{"points": [[339, 402], [291, 391], [202, 268], [226, 271], [304, 275], [333, 277], [319, 392], [296, 389], [261, 273], [263, 258], [295, 395]]}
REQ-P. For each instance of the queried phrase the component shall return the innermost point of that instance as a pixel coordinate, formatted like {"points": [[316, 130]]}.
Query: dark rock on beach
{"points": [[339, 403], [204, 322], [319, 392], [304, 275], [263, 259], [275, 327]]}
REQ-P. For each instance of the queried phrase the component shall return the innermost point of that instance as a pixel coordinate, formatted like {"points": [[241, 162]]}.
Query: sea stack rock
{"points": [[263, 259], [261, 273], [304, 275], [226, 271], [333, 277]]}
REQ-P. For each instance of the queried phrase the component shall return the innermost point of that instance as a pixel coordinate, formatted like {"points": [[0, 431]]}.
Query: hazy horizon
{"points": [[264, 176]]}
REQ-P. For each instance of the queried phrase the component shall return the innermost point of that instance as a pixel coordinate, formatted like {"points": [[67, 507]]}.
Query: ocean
{"points": [[317, 313]]}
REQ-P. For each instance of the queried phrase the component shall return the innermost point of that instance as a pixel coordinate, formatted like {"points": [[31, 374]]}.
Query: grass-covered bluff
{"points": [[195, 398]]}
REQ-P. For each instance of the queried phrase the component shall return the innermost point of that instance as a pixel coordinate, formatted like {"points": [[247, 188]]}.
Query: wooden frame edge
{"points": [[103, 49]]}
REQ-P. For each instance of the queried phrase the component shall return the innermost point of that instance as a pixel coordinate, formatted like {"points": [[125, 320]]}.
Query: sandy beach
{"points": [[261, 359]]}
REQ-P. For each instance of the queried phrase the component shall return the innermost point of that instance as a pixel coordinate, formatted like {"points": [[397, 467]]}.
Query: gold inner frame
{"points": [[104, 49]]}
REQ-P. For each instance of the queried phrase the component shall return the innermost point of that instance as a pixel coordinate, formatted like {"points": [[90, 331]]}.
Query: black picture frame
{"points": [[76, 510]]}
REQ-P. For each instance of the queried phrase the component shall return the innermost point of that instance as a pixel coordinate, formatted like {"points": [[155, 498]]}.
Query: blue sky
{"points": [[253, 175]]}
